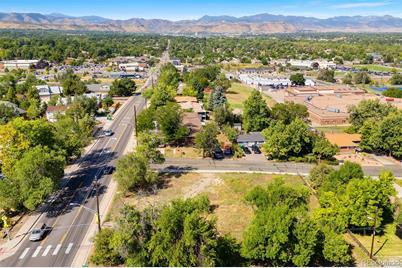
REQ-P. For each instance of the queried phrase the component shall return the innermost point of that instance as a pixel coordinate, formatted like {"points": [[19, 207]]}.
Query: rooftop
{"points": [[250, 137], [343, 139], [192, 121]]}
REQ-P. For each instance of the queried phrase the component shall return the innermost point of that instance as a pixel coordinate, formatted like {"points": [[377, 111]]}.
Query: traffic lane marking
{"points": [[24, 253]]}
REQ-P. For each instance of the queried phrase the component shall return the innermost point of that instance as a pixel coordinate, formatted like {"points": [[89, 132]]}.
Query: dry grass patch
{"points": [[182, 152], [226, 191]]}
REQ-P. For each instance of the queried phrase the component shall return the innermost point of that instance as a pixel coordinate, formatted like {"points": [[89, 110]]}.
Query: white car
{"points": [[108, 132], [38, 233]]}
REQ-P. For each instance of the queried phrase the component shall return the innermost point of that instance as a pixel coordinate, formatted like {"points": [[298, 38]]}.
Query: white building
{"points": [[273, 82], [18, 64], [131, 67]]}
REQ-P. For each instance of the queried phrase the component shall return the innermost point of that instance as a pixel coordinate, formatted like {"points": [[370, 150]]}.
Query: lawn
{"points": [[226, 191], [182, 152], [332, 129], [387, 246], [378, 68], [238, 93]]}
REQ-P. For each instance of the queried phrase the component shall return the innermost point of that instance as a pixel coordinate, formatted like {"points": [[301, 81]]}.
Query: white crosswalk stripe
{"points": [[36, 252], [56, 250], [69, 248], [24, 253], [46, 250]]}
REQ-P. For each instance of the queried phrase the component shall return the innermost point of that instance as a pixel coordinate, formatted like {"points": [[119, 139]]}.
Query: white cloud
{"points": [[362, 4]]}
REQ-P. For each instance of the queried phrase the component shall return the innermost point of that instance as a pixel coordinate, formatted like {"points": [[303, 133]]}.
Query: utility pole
{"points": [[135, 124], [373, 235], [97, 206]]}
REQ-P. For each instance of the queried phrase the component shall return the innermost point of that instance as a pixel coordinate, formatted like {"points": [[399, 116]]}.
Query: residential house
{"points": [[192, 122], [53, 111], [46, 91], [250, 139], [345, 142], [17, 111], [190, 104]]}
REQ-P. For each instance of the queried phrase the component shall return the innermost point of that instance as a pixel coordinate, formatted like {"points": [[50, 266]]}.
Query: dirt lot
{"points": [[225, 191]]}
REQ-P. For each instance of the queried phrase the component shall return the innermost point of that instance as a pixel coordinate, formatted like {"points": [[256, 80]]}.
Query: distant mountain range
{"points": [[255, 24]]}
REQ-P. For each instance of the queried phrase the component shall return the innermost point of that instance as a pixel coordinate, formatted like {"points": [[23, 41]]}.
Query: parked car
{"points": [[246, 150], [39, 233], [218, 154], [255, 149], [108, 132]]}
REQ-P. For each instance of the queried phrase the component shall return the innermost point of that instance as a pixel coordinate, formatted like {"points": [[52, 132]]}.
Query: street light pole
{"points": [[373, 235], [97, 207]]}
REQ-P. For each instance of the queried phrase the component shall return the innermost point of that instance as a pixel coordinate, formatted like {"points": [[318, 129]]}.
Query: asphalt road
{"points": [[69, 216], [243, 165], [74, 207]]}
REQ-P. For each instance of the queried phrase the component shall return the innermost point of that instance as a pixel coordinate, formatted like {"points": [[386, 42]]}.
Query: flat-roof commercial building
{"points": [[18, 64], [329, 109]]}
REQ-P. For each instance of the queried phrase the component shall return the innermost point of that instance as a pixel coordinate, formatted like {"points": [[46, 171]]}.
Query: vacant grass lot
{"points": [[226, 192], [238, 93]]}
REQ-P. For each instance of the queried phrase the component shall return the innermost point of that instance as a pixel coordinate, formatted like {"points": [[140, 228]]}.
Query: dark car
{"points": [[109, 170], [246, 150], [255, 149], [218, 154], [227, 151]]}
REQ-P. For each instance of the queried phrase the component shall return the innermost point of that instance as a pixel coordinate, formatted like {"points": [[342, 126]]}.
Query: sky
{"points": [[186, 9]]}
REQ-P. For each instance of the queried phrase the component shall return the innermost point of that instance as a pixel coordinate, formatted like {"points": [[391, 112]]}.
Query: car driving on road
{"points": [[39, 233], [108, 132]]}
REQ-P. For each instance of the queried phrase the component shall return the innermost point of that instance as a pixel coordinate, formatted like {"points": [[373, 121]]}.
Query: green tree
{"points": [[72, 84], [33, 110], [297, 79], [281, 233], [104, 253], [169, 122], [256, 114], [320, 173], [223, 115], [162, 94], [183, 236], [347, 79], [36, 175], [323, 148], [148, 144], [336, 250], [367, 198], [107, 102], [392, 92], [396, 79], [6, 113], [361, 78], [206, 139], [217, 99], [390, 129], [133, 172], [285, 141], [326, 75], [287, 112], [369, 109], [122, 87]]}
